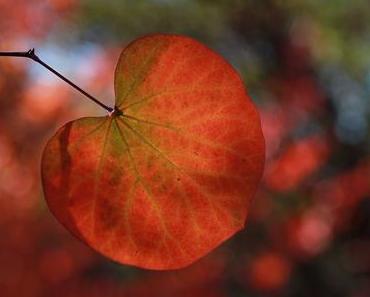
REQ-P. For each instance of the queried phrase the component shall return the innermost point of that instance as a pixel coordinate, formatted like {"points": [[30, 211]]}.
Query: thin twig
{"points": [[31, 55]]}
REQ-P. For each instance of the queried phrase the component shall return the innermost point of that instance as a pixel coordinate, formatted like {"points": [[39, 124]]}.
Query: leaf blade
{"points": [[181, 164]]}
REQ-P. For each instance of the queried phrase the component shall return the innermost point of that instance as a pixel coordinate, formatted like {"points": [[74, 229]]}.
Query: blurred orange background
{"points": [[306, 65]]}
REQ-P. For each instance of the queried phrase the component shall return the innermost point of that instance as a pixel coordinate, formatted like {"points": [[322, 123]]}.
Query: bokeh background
{"points": [[306, 64]]}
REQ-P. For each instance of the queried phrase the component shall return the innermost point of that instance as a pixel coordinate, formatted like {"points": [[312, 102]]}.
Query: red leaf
{"points": [[170, 179]]}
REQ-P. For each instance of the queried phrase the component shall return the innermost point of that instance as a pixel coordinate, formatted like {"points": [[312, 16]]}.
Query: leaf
{"points": [[172, 178]]}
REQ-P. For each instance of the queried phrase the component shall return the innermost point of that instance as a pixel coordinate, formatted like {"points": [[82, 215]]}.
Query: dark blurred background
{"points": [[306, 65]]}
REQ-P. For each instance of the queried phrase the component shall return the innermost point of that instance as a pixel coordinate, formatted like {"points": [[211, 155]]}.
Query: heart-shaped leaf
{"points": [[170, 178]]}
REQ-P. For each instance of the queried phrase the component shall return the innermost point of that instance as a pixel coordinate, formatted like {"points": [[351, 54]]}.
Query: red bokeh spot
{"points": [[298, 161], [269, 271], [56, 265]]}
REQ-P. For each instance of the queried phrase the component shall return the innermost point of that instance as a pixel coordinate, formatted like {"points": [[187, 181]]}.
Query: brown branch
{"points": [[31, 55]]}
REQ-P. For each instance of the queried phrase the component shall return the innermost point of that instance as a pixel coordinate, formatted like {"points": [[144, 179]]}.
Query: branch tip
{"points": [[31, 55]]}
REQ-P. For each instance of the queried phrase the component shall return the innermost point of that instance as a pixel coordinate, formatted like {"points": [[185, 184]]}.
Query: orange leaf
{"points": [[169, 180]]}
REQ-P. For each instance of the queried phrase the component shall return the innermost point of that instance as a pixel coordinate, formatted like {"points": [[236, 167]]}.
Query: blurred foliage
{"points": [[306, 64]]}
